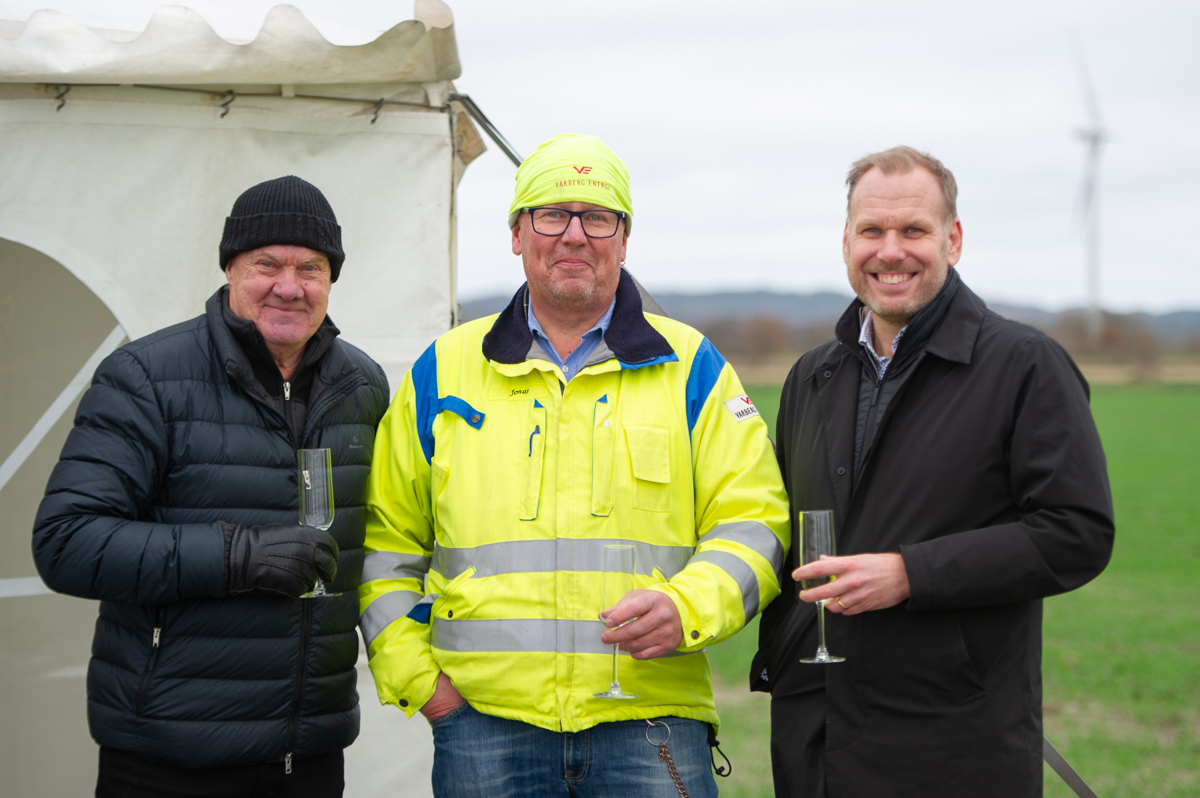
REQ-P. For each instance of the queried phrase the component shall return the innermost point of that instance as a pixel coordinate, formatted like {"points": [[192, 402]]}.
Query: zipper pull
{"points": [[875, 395], [157, 634], [287, 395], [287, 763]]}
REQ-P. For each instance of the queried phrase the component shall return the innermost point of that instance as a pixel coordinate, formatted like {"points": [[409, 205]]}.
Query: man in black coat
{"points": [[175, 503], [958, 453]]}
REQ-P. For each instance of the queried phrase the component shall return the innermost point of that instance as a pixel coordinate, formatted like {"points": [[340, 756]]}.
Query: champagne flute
{"points": [[816, 540], [316, 499], [619, 563]]}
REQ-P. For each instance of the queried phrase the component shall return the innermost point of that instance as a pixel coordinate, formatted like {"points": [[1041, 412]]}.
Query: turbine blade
{"points": [[1087, 186]]}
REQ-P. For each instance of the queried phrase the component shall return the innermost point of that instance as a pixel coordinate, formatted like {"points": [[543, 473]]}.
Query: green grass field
{"points": [[1122, 655]]}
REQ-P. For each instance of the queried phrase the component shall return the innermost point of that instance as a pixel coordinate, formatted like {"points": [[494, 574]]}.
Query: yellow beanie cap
{"points": [[572, 168]]}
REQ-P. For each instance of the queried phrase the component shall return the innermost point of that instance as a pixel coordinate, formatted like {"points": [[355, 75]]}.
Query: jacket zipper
{"points": [[305, 618], [154, 644], [335, 392], [264, 403], [327, 398], [287, 413]]}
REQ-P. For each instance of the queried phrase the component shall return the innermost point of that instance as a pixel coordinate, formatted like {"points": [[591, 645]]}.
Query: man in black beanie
{"points": [[175, 504]]}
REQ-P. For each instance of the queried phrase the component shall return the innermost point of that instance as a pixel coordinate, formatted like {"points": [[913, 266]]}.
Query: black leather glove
{"points": [[280, 558]]}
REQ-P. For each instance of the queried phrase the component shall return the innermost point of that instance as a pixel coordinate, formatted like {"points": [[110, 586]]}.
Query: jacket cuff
{"points": [[696, 633], [227, 530], [204, 552], [416, 692], [920, 582]]}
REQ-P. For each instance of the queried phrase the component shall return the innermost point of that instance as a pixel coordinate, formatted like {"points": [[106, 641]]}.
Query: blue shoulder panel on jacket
{"points": [[424, 377], [460, 408], [671, 358], [706, 369]]}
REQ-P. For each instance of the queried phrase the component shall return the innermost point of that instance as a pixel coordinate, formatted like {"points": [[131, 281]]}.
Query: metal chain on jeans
{"points": [[665, 756]]}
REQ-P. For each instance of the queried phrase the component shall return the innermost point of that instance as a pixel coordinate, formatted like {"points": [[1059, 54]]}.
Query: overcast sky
{"points": [[738, 120]]}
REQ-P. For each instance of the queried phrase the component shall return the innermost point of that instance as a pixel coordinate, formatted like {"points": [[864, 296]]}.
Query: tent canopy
{"points": [[124, 150], [178, 47]]}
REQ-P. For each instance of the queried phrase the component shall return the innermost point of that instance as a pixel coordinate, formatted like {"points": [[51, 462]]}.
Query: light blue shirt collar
{"points": [[579, 355]]}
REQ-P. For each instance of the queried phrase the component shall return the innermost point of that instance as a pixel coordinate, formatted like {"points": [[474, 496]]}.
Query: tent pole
{"points": [[488, 127]]}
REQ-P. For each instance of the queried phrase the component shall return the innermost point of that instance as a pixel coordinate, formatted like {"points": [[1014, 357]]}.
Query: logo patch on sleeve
{"points": [[741, 407]]}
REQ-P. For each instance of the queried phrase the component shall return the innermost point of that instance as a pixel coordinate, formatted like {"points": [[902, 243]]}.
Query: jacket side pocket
{"points": [[152, 660]]}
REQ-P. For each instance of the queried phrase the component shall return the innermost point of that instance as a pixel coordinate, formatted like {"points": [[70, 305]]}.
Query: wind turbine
{"points": [[1094, 136]]}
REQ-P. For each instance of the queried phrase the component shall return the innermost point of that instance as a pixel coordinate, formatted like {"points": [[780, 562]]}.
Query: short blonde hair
{"points": [[902, 160]]}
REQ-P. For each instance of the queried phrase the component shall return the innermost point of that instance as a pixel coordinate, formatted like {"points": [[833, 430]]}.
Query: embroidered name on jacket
{"points": [[741, 407]]}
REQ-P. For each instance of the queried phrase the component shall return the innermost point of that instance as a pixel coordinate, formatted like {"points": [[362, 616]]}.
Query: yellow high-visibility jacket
{"points": [[496, 484]]}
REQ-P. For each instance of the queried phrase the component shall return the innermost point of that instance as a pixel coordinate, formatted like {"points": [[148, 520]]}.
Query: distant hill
{"points": [[802, 310], [822, 309], [1175, 326]]}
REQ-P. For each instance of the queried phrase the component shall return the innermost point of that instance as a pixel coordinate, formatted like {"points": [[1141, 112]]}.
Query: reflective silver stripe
{"points": [[521, 635], [394, 565], [753, 535], [547, 556], [742, 573], [384, 610]]}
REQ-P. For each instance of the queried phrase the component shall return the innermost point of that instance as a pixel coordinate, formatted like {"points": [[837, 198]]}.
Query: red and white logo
{"points": [[583, 170], [741, 407]]}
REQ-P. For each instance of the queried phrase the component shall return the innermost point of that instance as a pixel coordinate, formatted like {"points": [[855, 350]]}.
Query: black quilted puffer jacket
{"points": [[173, 437]]}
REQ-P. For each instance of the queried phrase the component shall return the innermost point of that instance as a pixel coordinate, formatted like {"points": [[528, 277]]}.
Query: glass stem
{"points": [[614, 679], [821, 625]]}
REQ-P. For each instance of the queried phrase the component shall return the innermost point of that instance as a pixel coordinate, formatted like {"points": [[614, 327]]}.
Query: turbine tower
{"points": [[1094, 136]]}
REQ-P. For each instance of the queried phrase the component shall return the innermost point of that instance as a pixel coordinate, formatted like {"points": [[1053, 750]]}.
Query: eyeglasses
{"points": [[555, 221]]}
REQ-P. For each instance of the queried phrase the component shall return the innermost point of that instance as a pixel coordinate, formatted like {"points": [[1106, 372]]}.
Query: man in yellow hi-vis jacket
{"points": [[517, 447]]}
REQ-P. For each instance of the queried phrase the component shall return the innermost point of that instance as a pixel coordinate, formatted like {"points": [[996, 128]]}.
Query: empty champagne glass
{"points": [[316, 499], [619, 562], [816, 540]]}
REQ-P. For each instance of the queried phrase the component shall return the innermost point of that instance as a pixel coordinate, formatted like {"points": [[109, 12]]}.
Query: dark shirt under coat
{"points": [[986, 473]]}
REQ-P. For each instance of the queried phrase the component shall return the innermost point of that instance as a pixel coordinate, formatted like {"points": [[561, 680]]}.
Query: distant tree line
{"points": [[1123, 338]]}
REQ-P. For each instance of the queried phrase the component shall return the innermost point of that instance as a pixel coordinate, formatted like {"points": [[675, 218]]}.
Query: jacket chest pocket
{"points": [[650, 460], [531, 478]]}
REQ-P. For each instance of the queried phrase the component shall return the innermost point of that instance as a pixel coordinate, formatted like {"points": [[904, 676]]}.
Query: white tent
{"points": [[121, 152]]}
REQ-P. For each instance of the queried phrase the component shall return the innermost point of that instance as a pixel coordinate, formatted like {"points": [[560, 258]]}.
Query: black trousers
{"points": [[126, 775], [798, 746]]}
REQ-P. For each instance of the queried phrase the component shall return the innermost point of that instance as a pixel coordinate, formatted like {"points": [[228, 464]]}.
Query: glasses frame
{"points": [[573, 215]]}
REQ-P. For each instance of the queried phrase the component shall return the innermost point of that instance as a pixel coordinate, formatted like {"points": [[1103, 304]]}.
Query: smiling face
{"points": [[284, 290], [898, 244], [570, 273]]}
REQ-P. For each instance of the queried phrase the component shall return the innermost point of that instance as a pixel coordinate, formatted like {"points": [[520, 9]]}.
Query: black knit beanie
{"points": [[286, 210]]}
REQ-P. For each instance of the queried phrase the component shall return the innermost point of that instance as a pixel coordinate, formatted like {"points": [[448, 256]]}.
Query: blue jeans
{"points": [[482, 756]]}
